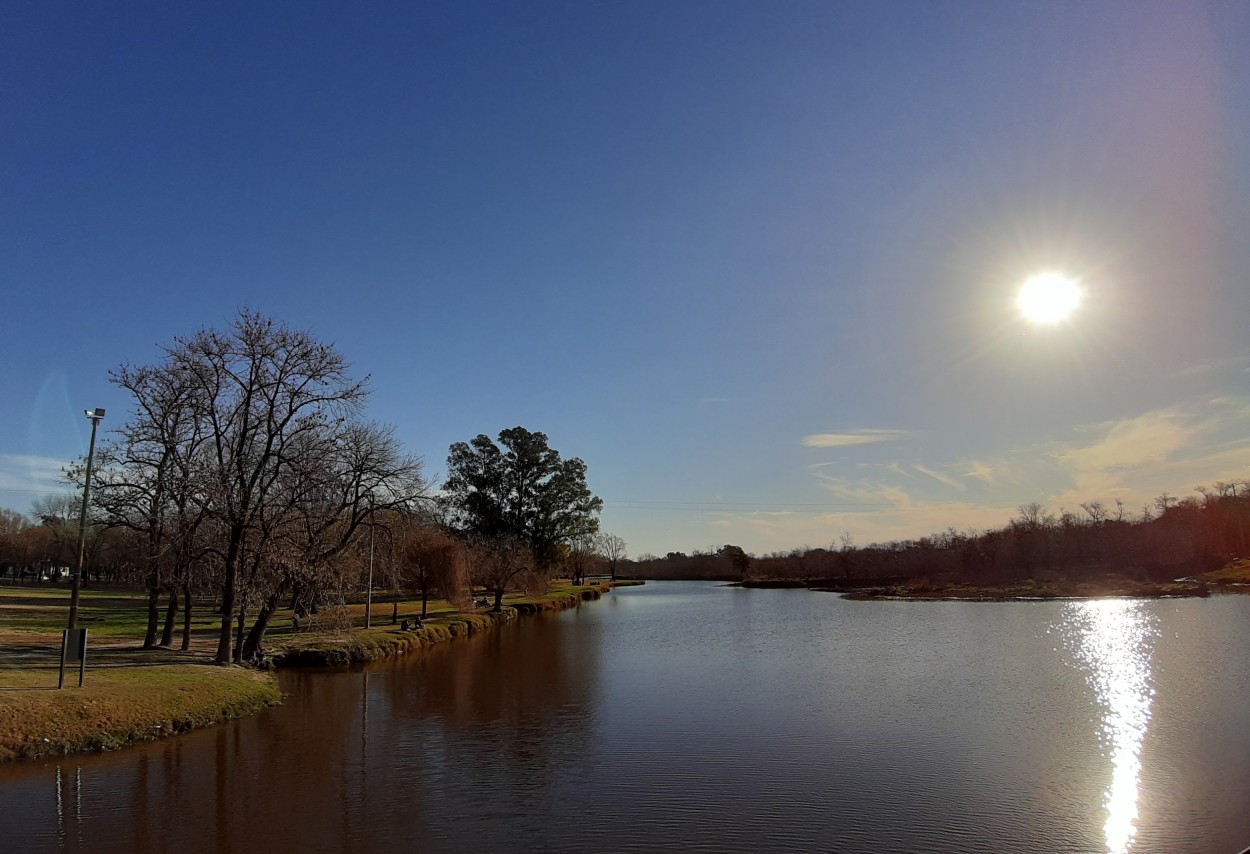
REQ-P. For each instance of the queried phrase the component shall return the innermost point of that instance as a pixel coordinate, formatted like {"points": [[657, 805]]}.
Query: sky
{"points": [[756, 263]]}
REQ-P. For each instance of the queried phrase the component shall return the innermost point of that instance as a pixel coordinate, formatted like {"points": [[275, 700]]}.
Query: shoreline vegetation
{"points": [[1233, 578], [131, 695], [1171, 547]]}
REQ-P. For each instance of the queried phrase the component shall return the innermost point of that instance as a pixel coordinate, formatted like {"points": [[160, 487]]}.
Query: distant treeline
{"points": [[1169, 538]]}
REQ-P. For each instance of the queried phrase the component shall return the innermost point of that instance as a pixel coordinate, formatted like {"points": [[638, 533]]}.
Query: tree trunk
{"points": [[238, 635], [425, 598], [252, 650], [154, 614], [171, 615], [498, 600], [186, 616], [227, 599]]}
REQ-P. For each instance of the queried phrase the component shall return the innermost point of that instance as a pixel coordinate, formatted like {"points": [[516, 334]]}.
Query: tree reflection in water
{"points": [[360, 760]]}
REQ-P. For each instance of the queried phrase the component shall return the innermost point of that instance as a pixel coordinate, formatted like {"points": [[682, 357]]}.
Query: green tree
{"points": [[519, 490]]}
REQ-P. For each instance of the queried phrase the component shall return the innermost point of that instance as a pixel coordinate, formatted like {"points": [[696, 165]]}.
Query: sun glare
{"points": [[1049, 298]]}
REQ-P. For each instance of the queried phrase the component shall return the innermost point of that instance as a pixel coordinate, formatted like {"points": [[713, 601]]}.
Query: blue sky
{"points": [[754, 262]]}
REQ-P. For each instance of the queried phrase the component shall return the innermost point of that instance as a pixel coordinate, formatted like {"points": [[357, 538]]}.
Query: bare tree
{"points": [[430, 561], [145, 484], [251, 438], [1096, 510], [337, 480], [58, 515], [13, 542], [612, 548], [496, 561], [1032, 515], [581, 551], [1121, 510]]}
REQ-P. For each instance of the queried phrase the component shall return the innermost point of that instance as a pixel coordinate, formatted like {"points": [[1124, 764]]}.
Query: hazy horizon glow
{"points": [[757, 265]]}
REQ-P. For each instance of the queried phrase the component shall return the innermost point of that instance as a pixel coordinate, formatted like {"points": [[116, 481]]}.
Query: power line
{"points": [[748, 503], [712, 506], [65, 491]]}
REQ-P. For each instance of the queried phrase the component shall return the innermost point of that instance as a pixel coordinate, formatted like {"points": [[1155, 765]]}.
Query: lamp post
{"points": [[95, 416], [369, 590]]}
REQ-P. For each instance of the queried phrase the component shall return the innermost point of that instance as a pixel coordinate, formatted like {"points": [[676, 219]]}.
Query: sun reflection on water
{"points": [[1114, 640]]}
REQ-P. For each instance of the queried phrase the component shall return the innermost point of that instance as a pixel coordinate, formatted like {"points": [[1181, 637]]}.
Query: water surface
{"points": [[705, 718]]}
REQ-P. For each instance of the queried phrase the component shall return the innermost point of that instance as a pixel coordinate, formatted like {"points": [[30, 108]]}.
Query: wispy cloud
{"points": [[1132, 442], [981, 471], [940, 477], [904, 518], [868, 493], [855, 437], [25, 477], [1132, 459], [1202, 441], [1210, 366], [1162, 450]]}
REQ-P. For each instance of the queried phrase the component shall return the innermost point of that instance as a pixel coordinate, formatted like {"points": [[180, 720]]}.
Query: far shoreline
{"points": [[1027, 590]]}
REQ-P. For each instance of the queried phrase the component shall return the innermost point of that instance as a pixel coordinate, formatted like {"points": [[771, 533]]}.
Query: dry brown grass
{"points": [[120, 703], [1237, 572]]}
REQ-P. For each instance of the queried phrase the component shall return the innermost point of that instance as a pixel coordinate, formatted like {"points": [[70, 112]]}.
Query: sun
{"points": [[1049, 298]]}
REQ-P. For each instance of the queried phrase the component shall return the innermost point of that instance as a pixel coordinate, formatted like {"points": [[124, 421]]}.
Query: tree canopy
{"points": [[519, 490]]}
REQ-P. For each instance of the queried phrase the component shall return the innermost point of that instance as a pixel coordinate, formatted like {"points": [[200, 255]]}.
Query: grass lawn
{"points": [[132, 694], [129, 694], [123, 700]]}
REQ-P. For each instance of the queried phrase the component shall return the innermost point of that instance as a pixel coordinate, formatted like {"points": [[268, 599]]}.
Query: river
{"points": [[698, 717]]}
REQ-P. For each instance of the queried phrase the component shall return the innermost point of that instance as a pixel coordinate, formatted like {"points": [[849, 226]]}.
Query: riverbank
{"points": [[131, 694], [1233, 578], [1032, 589], [358, 645], [127, 696]]}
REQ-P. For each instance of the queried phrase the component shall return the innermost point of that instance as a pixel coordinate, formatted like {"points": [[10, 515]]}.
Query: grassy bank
{"points": [[291, 648], [127, 696], [1235, 576], [131, 694]]}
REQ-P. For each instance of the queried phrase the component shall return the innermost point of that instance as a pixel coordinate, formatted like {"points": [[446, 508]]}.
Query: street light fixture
{"points": [[95, 416]]}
